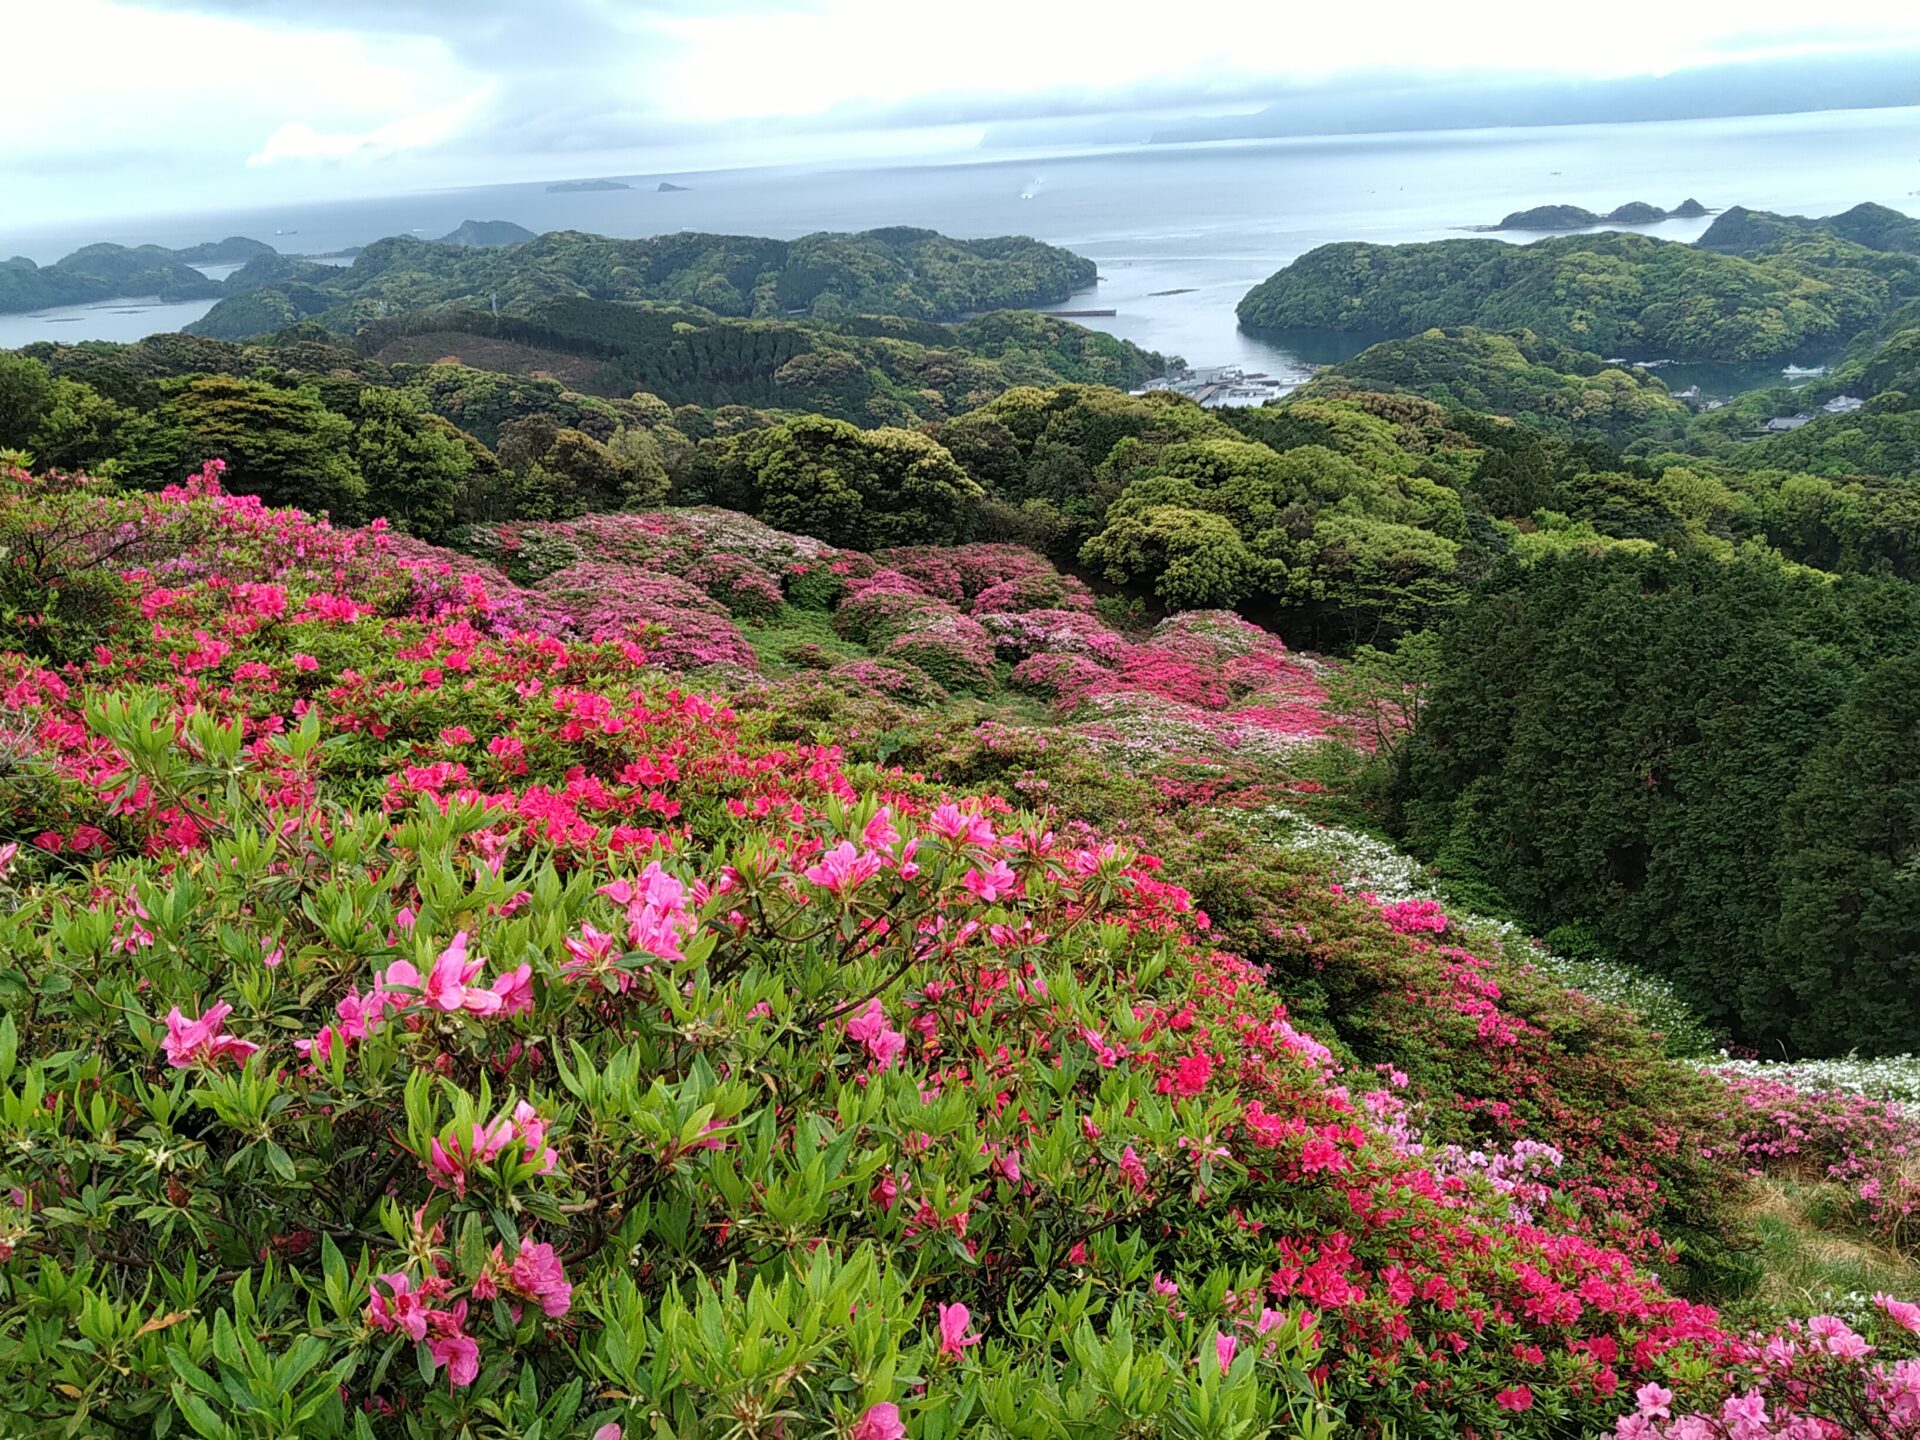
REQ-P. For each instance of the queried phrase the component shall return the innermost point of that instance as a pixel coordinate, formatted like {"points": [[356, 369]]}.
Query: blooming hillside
{"points": [[427, 1013]]}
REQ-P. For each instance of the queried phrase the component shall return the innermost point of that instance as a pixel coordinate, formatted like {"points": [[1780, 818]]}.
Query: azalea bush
{"points": [[426, 1013]]}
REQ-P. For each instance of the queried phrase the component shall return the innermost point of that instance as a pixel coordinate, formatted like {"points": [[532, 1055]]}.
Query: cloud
{"points": [[296, 141], [278, 100]]}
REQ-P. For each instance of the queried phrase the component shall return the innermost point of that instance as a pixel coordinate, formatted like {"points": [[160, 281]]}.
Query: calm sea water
{"points": [[1180, 233]]}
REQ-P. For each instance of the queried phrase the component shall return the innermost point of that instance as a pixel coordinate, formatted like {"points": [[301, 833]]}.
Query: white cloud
{"points": [[297, 140]]}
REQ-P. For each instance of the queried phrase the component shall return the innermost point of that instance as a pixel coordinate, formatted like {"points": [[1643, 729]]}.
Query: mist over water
{"points": [[1180, 233]]}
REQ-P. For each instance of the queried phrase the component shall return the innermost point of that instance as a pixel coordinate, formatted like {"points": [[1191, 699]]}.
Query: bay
{"points": [[1179, 232]]}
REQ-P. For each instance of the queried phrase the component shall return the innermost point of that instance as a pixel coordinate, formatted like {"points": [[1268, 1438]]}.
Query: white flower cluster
{"points": [[1360, 862], [1891, 1077]]}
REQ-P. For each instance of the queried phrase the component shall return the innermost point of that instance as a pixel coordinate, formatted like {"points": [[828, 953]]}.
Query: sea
{"points": [[1179, 232]]}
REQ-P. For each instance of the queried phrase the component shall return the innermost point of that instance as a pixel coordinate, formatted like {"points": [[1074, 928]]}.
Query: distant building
{"points": [[1843, 404], [1784, 423]]}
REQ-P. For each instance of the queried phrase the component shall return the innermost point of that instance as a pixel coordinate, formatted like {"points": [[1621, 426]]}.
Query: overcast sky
{"points": [[152, 106]]}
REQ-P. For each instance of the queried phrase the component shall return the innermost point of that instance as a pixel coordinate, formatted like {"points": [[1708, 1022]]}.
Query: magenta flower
{"points": [[515, 990], [196, 1042], [879, 1422], [460, 1355], [954, 1339], [991, 885], [1224, 1348], [536, 1275], [1131, 1167], [869, 1027], [398, 1308], [1517, 1398], [1906, 1316], [844, 868]]}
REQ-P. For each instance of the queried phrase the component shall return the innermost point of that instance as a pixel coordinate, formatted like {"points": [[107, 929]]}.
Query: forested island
{"points": [[916, 274], [601, 834], [1792, 290], [1577, 217], [106, 272]]}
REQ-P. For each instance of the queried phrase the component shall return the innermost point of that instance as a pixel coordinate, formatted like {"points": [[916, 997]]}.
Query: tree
{"points": [[1613, 740], [279, 444], [414, 464], [1379, 694], [25, 390], [1191, 559], [867, 489], [1846, 951]]}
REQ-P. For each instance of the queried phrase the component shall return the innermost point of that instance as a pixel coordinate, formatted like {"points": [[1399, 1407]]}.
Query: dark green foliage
{"points": [[1740, 231], [26, 390], [1613, 741], [414, 464], [280, 444], [1846, 953]]}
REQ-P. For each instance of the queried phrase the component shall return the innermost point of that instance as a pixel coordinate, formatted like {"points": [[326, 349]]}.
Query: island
{"points": [[486, 234], [667, 187], [1578, 217], [581, 187], [234, 250], [102, 272]]}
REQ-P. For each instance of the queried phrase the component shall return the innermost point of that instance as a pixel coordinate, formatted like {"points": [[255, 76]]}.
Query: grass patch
{"points": [[1808, 1267], [796, 627]]}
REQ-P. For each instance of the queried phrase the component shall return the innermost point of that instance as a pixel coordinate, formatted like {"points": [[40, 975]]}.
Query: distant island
{"points": [[578, 187], [1578, 217], [113, 272], [234, 250], [486, 234], [667, 187]]}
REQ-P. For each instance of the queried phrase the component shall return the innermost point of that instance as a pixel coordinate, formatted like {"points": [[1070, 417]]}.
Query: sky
{"points": [[135, 107]]}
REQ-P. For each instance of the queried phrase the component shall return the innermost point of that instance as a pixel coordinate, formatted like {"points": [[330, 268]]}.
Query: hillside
{"points": [[899, 271], [101, 272], [1613, 294], [1551, 386], [1740, 231], [553, 855]]}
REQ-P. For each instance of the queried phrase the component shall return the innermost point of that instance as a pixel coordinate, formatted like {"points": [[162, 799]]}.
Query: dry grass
{"points": [[1808, 1262]]}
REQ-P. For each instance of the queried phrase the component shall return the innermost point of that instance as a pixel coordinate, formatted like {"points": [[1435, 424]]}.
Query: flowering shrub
{"points": [[1865, 1146], [952, 649], [422, 1016], [747, 591]]}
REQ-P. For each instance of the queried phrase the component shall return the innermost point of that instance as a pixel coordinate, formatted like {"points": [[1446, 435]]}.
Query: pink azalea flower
{"points": [[460, 1355], [195, 1042], [396, 1307], [869, 1027], [1517, 1398], [607, 1432], [991, 885], [949, 823], [536, 1275], [515, 990], [880, 834], [844, 868], [879, 1422], [1900, 1312], [954, 1339], [1224, 1347], [1654, 1399], [1131, 1167]]}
